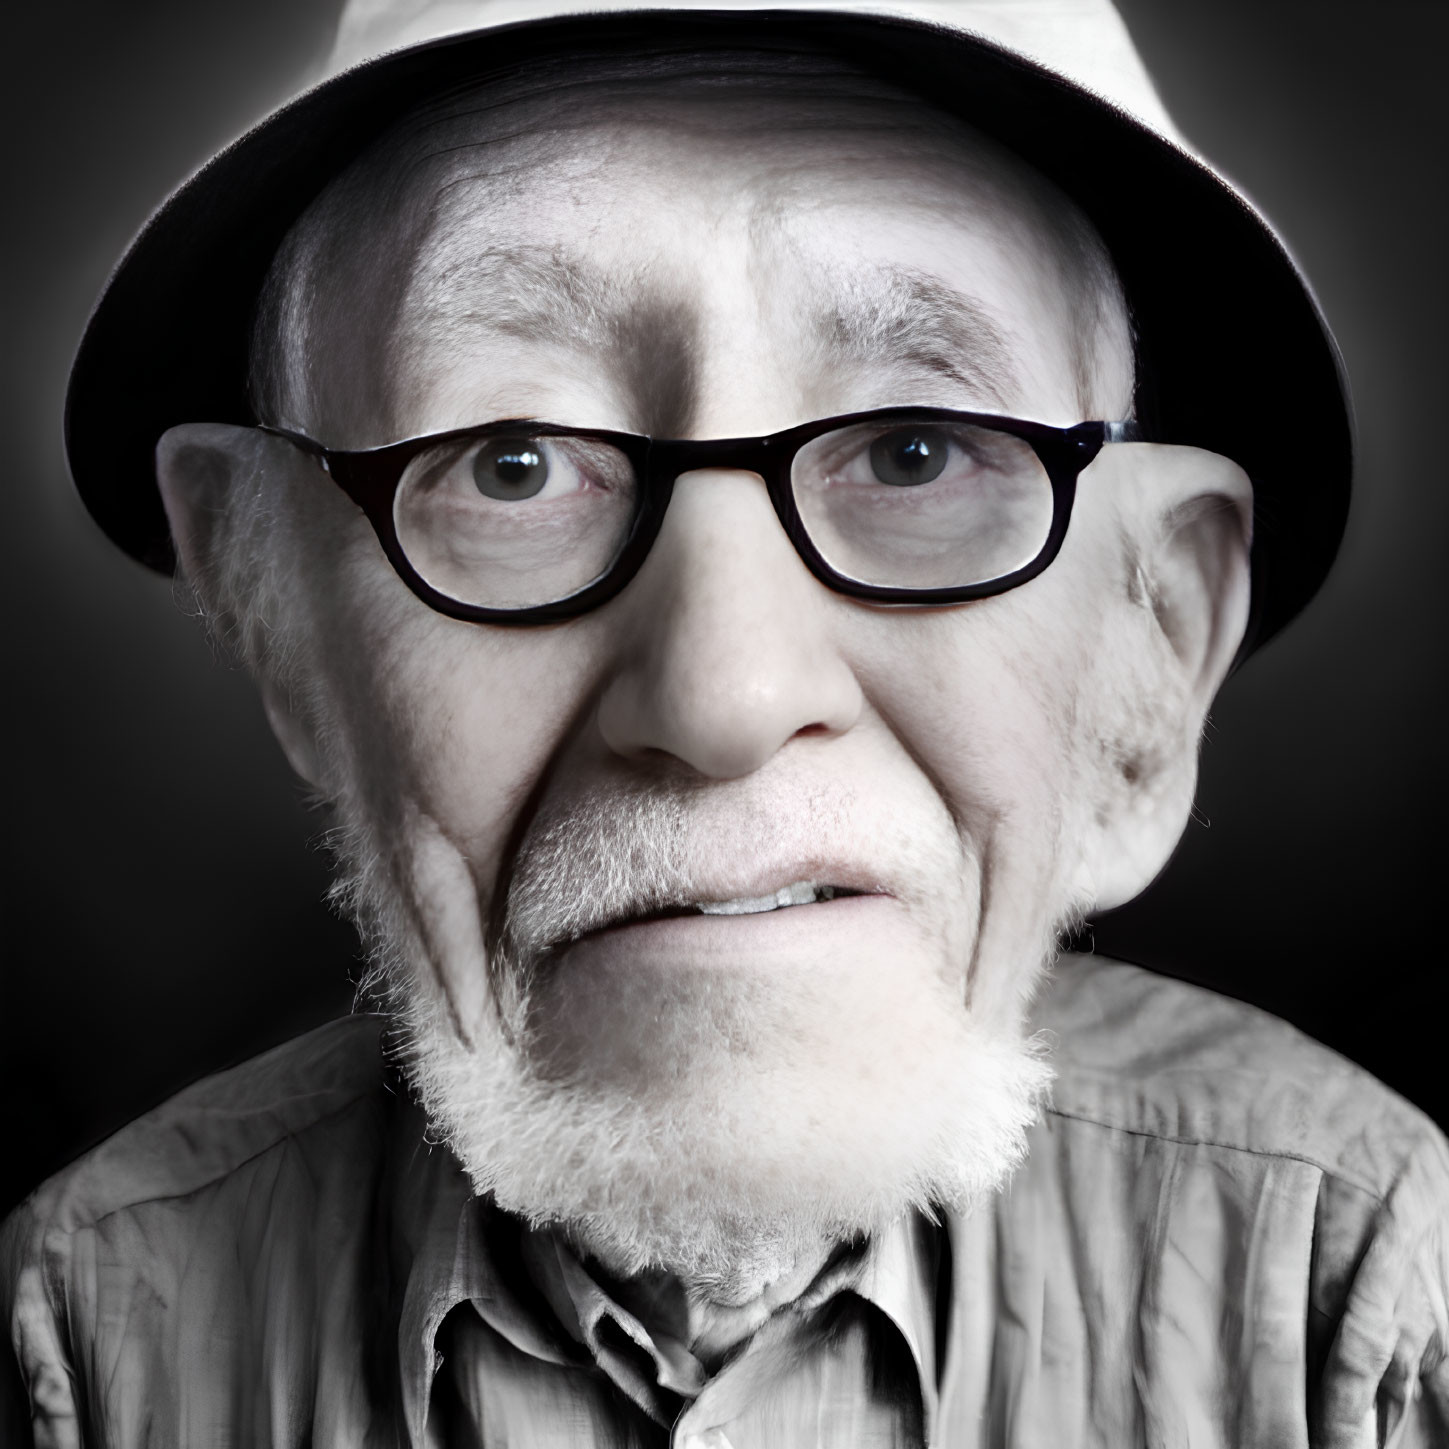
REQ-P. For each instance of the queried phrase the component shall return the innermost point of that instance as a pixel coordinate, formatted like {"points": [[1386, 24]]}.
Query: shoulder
{"points": [[1142, 1053], [229, 1213], [1259, 1179], [216, 1127]]}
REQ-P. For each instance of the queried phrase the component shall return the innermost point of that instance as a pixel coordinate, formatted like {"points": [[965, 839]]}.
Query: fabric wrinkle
{"points": [[1179, 1261]]}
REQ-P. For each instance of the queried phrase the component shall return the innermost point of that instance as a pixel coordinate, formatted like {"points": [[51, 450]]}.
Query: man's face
{"points": [[537, 813]]}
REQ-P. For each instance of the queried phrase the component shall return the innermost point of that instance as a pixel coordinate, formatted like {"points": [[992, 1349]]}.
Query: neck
{"points": [[715, 1314]]}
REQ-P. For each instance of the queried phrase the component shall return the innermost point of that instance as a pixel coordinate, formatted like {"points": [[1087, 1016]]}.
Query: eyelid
{"points": [[851, 442], [430, 465], [434, 465], [586, 458], [855, 440]]}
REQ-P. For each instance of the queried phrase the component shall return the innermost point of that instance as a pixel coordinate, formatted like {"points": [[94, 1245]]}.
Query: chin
{"points": [[720, 1121], [714, 1095]]}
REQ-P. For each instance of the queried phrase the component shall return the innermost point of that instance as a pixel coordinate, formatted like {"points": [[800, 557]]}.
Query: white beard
{"points": [[787, 1112]]}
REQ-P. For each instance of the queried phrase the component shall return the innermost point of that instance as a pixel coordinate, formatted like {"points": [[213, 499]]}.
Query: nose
{"points": [[729, 652]]}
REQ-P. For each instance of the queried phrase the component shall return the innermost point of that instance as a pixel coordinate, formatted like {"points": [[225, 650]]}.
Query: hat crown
{"points": [[1082, 40]]}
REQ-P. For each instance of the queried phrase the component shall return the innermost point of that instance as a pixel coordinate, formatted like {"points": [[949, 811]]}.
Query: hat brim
{"points": [[1234, 355]]}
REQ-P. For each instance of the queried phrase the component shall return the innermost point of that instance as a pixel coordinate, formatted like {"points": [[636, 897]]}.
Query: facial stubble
{"points": [[763, 1115]]}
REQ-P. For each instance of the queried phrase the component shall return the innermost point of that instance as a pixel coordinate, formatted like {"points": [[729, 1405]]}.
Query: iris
{"points": [[510, 468], [906, 459]]}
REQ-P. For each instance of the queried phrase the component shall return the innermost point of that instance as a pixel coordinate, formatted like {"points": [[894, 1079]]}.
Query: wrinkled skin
{"points": [[979, 770]]}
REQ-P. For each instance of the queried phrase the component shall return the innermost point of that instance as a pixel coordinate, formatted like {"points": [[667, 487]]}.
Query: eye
{"points": [[909, 457], [494, 477], [510, 468], [510, 520]]}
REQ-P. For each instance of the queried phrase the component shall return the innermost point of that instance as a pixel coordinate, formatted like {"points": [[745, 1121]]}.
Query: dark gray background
{"points": [[162, 912]]}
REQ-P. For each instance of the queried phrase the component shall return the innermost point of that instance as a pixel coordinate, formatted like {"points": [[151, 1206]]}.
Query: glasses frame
{"points": [[370, 478]]}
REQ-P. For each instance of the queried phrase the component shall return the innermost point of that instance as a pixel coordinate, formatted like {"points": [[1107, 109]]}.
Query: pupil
{"points": [[516, 467], [510, 468], [907, 459]]}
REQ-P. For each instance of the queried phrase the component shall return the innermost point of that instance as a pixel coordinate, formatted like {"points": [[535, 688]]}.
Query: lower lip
{"points": [[761, 937]]}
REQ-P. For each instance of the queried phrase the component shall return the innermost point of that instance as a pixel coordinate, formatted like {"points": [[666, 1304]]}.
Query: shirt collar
{"points": [[448, 1246], [443, 1242], [900, 1277], [655, 1370]]}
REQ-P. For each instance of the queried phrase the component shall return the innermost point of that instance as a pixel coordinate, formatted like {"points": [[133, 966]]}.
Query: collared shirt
{"points": [[850, 1362], [1223, 1235]]}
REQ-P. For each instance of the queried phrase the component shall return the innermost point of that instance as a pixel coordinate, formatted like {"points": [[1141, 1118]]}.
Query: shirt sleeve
{"points": [[14, 1402], [1386, 1379], [37, 1383]]}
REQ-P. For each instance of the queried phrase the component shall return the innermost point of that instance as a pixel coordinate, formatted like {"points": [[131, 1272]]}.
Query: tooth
{"points": [[799, 893], [745, 906]]}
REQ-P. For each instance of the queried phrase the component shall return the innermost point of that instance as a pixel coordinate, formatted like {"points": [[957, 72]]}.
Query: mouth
{"points": [[800, 893], [787, 897]]}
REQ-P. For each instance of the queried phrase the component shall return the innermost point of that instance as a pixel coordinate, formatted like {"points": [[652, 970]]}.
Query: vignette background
{"points": [[163, 912]]}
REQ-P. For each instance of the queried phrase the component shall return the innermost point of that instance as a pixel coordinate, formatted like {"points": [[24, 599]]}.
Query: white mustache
{"points": [[622, 849]]}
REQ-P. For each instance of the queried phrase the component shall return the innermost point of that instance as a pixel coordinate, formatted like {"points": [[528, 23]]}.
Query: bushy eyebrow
{"points": [[900, 317], [538, 294], [555, 297], [876, 318]]}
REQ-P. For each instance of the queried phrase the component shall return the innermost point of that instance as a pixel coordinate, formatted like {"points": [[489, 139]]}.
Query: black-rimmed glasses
{"points": [[526, 522]]}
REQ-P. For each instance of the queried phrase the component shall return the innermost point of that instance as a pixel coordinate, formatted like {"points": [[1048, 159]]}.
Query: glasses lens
{"points": [[923, 504], [514, 521]]}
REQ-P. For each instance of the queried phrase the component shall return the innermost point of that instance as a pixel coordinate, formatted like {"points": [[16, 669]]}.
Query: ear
{"points": [[293, 733], [1189, 513], [1198, 565], [199, 469]]}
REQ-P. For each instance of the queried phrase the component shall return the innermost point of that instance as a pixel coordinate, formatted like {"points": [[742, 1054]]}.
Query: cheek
{"points": [[990, 699], [983, 697], [449, 722]]}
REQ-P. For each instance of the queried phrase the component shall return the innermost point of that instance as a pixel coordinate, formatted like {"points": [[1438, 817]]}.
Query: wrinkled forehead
{"points": [[597, 197]]}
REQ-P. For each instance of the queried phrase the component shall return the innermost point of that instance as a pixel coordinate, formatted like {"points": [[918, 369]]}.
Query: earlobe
{"points": [[292, 732], [1136, 838]]}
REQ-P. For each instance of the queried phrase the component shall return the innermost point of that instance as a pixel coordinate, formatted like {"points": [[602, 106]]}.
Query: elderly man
{"points": [[742, 517]]}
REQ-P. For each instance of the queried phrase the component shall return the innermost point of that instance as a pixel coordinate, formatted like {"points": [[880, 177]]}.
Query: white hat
{"points": [[1233, 351]]}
